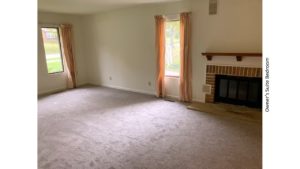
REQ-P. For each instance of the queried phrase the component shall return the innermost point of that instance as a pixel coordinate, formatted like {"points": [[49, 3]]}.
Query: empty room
{"points": [[149, 84]]}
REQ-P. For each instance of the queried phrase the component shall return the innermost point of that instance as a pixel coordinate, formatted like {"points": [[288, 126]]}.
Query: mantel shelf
{"points": [[239, 56]]}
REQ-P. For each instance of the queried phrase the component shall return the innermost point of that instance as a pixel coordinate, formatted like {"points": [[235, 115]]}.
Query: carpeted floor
{"points": [[229, 110], [95, 127]]}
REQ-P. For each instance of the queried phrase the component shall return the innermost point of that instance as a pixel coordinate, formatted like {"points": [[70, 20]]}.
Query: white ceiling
{"points": [[90, 6]]}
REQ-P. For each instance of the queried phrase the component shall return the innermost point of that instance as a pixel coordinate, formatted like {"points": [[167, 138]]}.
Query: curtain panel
{"points": [[160, 55], [185, 84], [67, 50]]}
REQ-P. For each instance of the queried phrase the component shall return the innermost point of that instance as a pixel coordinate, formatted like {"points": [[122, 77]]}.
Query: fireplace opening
{"points": [[239, 90]]}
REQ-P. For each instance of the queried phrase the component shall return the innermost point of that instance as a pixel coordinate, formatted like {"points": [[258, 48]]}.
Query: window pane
{"points": [[172, 56], [52, 50]]}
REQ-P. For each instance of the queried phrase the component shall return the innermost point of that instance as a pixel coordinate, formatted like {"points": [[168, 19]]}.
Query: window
{"points": [[172, 56], [52, 50]]}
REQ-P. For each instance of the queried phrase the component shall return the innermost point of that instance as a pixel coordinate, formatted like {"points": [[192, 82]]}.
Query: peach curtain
{"points": [[67, 50], [160, 54], [185, 86]]}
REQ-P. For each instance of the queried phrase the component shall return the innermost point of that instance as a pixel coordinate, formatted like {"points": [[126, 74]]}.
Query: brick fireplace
{"points": [[213, 70]]}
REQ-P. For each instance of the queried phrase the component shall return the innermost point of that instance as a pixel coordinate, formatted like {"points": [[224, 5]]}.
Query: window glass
{"points": [[52, 50], [172, 53]]}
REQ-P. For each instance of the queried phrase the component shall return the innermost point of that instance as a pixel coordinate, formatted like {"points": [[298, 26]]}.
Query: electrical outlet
{"points": [[110, 78], [149, 83]]}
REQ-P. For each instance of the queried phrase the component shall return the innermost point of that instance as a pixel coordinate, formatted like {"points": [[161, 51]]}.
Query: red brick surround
{"points": [[212, 70]]}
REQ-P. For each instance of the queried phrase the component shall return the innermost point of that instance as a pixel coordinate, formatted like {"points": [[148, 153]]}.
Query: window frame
{"points": [[172, 76], [60, 49], [172, 18]]}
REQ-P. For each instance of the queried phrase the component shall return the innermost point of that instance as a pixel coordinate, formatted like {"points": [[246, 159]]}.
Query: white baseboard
{"points": [[198, 100], [115, 87], [173, 97], [128, 89], [177, 98], [144, 92], [51, 91]]}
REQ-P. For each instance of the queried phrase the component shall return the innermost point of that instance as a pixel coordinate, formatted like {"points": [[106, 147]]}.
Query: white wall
{"points": [[52, 82], [236, 28], [121, 44]]}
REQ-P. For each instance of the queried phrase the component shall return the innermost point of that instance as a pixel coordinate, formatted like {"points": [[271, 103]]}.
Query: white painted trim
{"points": [[172, 17], [51, 91], [115, 87], [127, 89], [48, 25], [198, 100], [46, 92], [173, 97], [142, 92]]}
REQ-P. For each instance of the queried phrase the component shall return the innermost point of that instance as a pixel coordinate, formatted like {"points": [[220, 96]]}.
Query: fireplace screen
{"points": [[239, 90]]}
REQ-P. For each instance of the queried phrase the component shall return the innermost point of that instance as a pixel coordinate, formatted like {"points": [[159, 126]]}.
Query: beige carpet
{"points": [[95, 127]]}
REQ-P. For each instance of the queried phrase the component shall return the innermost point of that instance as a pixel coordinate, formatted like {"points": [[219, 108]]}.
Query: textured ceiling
{"points": [[90, 6]]}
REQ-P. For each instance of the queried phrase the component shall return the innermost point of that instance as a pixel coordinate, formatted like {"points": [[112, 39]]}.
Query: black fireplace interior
{"points": [[239, 90]]}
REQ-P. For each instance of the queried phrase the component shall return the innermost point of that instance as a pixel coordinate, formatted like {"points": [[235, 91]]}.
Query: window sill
{"points": [[172, 76], [55, 73]]}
